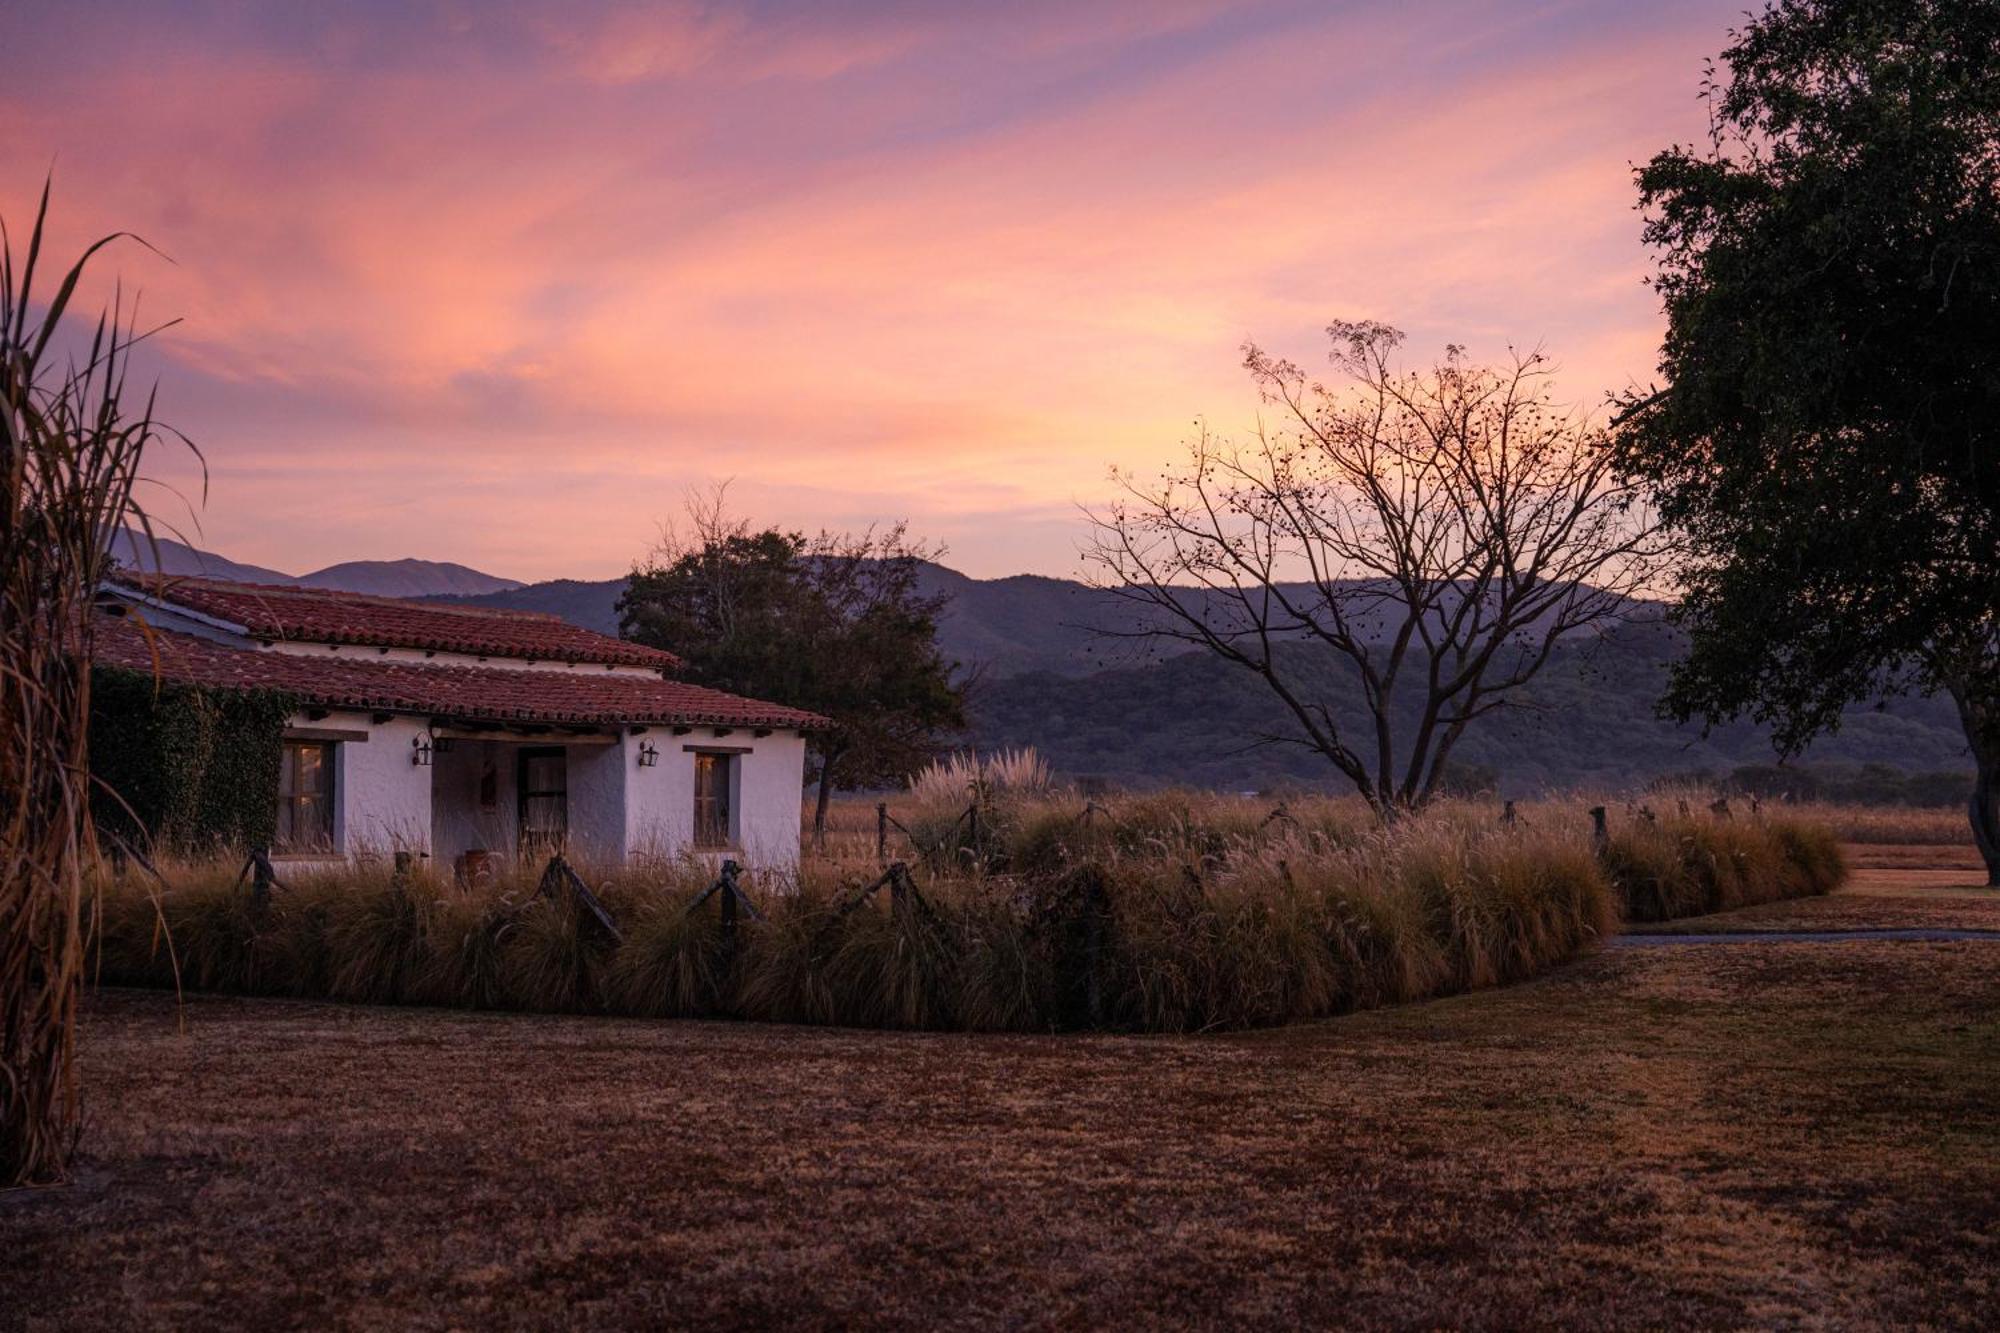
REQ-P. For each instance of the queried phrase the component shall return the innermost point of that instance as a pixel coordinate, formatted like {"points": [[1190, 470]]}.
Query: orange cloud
{"points": [[499, 288]]}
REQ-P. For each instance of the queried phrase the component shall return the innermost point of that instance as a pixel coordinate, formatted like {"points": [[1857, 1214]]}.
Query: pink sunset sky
{"points": [[500, 282]]}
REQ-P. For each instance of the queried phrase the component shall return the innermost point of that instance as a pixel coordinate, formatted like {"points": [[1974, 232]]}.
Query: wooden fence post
{"points": [[262, 877], [729, 912], [881, 830], [1600, 830]]}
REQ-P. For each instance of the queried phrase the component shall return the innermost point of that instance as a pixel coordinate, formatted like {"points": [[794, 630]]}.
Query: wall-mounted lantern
{"points": [[420, 751], [649, 754]]}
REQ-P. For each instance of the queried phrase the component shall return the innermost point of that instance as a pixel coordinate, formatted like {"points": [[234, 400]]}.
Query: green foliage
{"points": [[1169, 914], [1829, 264], [837, 625], [183, 767], [1846, 784]]}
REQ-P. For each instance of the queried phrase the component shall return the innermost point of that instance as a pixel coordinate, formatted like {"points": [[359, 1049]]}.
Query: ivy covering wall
{"points": [[188, 768]]}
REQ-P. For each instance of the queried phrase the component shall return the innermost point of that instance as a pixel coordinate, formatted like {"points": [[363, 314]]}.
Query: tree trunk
{"points": [[1985, 811], [1979, 713], [825, 796]]}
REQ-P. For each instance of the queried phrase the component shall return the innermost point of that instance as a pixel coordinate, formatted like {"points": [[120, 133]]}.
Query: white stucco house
{"points": [[467, 734]]}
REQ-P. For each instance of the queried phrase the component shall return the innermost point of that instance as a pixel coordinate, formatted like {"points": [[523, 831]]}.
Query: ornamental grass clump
{"points": [[71, 447], [1687, 866], [1150, 917], [672, 963], [464, 965]]}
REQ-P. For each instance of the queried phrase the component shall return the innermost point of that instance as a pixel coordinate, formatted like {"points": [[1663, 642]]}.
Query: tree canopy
{"points": [[838, 624], [1829, 265]]}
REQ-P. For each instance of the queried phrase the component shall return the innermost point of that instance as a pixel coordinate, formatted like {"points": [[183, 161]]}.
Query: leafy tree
{"points": [[1829, 438], [835, 623]]}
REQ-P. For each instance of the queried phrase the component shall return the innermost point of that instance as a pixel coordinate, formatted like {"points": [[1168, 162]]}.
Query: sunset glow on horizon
{"points": [[501, 283]]}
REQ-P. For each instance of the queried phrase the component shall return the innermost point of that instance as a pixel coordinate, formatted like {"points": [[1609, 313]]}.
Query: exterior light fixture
{"points": [[649, 754], [420, 751]]}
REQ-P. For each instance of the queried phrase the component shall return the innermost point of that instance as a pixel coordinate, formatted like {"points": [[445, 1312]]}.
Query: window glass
{"points": [[305, 797], [712, 823]]}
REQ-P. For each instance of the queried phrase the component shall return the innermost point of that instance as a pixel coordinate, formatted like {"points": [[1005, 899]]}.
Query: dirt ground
{"points": [[1777, 1134]]}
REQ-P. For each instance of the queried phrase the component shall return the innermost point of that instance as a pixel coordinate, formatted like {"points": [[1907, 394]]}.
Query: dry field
{"points": [[1924, 831], [1741, 1134]]}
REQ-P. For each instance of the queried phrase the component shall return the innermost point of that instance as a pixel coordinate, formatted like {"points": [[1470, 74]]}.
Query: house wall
{"points": [[382, 801], [765, 798], [770, 783], [598, 780]]}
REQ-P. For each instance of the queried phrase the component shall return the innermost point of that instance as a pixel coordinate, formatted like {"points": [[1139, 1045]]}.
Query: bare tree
{"points": [[1441, 532]]}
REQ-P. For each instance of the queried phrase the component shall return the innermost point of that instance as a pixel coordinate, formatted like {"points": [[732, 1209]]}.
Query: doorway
{"points": [[544, 787]]}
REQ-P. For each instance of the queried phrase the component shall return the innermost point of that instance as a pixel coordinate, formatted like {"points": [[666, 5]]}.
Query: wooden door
{"points": [[544, 787]]}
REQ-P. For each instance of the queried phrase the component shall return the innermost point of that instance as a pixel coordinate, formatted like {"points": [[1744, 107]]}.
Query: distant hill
{"points": [[405, 578], [591, 604], [1117, 710], [178, 558], [381, 578], [1587, 722], [1007, 626], [1141, 717]]}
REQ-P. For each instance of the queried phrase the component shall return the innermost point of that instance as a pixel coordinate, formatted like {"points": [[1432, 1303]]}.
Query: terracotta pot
{"points": [[474, 868]]}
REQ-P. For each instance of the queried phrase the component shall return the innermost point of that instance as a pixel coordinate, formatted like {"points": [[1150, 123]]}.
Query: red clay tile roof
{"points": [[469, 693], [316, 615]]}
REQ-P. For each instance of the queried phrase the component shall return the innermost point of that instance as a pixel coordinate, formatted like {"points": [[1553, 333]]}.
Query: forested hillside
{"points": [[1109, 708], [1587, 721]]}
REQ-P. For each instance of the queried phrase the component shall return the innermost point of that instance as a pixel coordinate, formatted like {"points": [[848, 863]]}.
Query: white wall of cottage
{"points": [[766, 788], [467, 799], [598, 791], [382, 800]]}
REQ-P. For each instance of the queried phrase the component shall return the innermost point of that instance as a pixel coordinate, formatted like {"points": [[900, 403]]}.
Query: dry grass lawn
{"points": [[1797, 1134]]}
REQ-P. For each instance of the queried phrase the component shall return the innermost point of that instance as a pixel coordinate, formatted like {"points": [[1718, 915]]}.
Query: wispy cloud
{"points": [[514, 276]]}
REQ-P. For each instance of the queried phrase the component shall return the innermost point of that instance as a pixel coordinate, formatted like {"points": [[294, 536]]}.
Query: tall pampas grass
{"points": [[71, 445], [1689, 866], [1158, 914]]}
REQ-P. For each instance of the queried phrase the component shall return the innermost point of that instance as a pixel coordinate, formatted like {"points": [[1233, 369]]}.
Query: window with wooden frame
{"points": [[714, 821], [305, 797]]}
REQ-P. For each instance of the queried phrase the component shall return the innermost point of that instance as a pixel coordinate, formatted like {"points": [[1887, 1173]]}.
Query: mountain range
{"points": [[1048, 676], [382, 578]]}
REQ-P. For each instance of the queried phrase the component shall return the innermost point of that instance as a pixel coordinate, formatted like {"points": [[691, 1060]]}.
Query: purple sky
{"points": [[500, 282]]}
